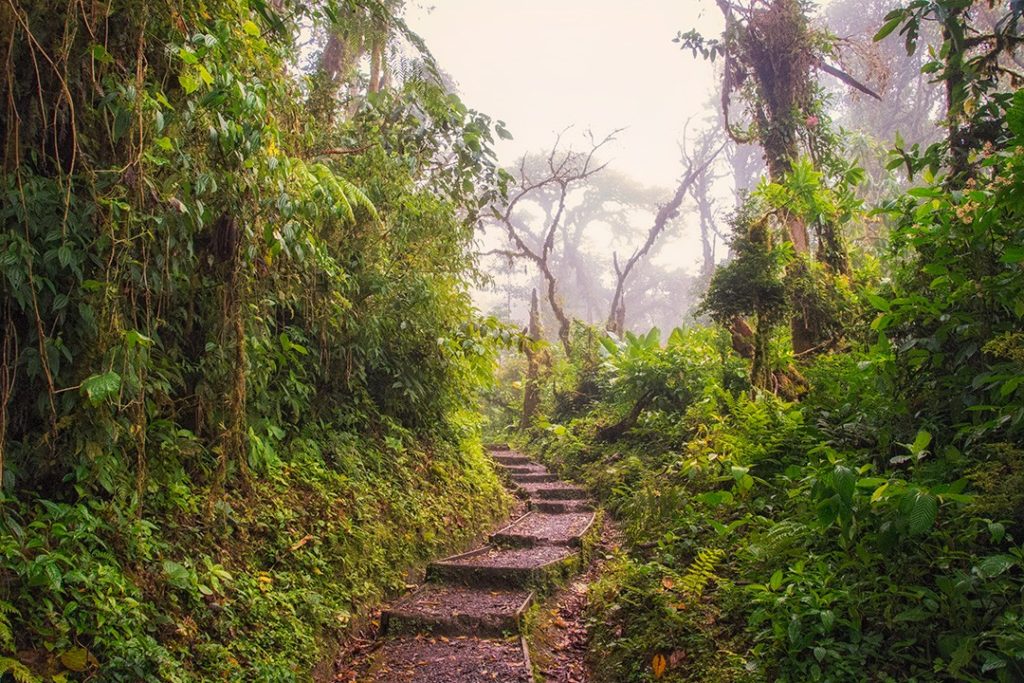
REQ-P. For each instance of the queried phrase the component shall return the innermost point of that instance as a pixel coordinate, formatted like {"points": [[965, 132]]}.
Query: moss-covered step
{"points": [[538, 528], [556, 490], [495, 566], [532, 468], [452, 610], [429, 659]]}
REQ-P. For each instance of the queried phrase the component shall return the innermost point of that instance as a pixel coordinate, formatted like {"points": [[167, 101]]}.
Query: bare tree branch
{"points": [[565, 170], [847, 79], [668, 211]]}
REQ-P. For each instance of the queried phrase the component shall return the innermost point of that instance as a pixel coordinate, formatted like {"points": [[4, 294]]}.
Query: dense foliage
{"points": [[238, 350], [851, 511]]}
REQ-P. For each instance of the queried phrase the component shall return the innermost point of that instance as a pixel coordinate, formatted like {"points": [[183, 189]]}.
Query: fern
{"points": [[18, 671], [8, 665], [6, 633], [702, 571], [777, 539]]}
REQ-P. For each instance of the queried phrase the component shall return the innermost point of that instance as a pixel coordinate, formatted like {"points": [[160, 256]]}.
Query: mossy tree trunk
{"points": [[531, 388]]}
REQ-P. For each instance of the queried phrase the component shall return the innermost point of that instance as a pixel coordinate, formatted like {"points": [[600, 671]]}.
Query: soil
{"points": [[514, 558], [553, 490], [526, 469], [560, 506], [559, 638], [445, 660], [559, 529]]}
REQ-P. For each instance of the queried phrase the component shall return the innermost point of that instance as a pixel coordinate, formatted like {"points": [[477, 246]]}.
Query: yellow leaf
{"points": [[75, 659], [658, 664]]}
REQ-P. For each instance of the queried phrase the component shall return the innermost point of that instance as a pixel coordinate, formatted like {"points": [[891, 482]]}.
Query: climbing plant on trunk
{"points": [[771, 57]]}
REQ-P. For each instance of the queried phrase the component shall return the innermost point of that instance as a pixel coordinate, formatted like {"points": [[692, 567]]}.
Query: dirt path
{"points": [[465, 623]]}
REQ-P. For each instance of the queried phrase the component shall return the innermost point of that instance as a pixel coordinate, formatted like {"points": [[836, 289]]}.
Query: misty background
{"points": [[564, 75]]}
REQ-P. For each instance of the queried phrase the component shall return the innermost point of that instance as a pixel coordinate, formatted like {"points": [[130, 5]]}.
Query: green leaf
{"points": [[888, 27], [776, 581], [251, 28], [738, 472], [189, 83], [100, 54], [844, 482], [879, 303], [1015, 114], [923, 513], [177, 574], [921, 442], [98, 388], [994, 565], [204, 74], [992, 661], [1013, 255], [135, 338]]}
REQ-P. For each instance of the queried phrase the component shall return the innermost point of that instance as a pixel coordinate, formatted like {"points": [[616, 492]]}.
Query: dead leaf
{"points": [[301, 542], [667, 583], [658, 665]]}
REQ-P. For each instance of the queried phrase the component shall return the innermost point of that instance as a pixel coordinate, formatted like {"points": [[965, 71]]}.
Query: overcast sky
{"points": [[542, 65]]}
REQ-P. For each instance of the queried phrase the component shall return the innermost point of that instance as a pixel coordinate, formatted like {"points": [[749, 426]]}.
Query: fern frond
{"points": [[6, 632], [702, 571], [18, 671]]}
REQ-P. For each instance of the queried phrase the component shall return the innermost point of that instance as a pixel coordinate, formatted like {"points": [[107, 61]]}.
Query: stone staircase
{"points": [[465, 623]]}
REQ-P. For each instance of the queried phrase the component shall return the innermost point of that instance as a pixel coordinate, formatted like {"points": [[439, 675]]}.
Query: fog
{"points": [[577, 66]]}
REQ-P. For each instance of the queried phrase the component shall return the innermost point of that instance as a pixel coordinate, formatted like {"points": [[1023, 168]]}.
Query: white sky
{"points": [[543, 65]]}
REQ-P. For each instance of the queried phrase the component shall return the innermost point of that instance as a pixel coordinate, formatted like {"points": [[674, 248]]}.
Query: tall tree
{"points": [[563, 171], [771, 56]]}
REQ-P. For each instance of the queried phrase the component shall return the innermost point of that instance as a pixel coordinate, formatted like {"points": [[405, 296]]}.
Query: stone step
{"points": [[560, 506], [510, 458], [449, 610], [421, 659], [497, 447], [532, 468], [534, 478], [552, 491], [494, 566], [538, 528]]}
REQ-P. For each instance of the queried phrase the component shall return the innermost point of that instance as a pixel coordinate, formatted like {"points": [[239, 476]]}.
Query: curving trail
{"points": [[465, 623]]}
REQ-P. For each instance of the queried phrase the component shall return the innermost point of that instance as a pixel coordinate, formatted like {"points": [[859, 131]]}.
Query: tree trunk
{"points": [[531, 389], [615, 431], [742, 338]]}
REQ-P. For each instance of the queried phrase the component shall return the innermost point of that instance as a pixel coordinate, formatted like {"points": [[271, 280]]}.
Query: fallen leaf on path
{"points": [[658, 665], [301, 542]]}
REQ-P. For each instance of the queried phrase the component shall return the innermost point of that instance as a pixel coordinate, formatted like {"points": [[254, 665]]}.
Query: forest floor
{"points": [[479, 614]]}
